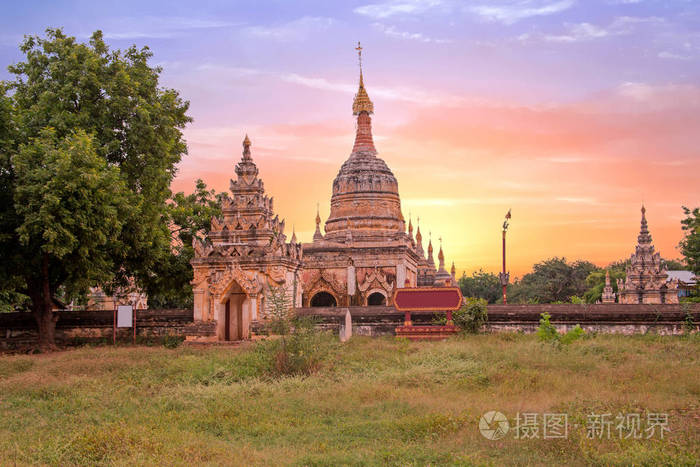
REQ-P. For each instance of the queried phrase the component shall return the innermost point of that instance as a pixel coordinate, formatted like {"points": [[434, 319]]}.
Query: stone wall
{"points": [[604, 318], [19, 329]]}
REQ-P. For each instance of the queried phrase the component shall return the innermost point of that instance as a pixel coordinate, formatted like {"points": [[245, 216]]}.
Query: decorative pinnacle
{"points": [[362, 103], [318, 215], [246, 147], [644, 236]]}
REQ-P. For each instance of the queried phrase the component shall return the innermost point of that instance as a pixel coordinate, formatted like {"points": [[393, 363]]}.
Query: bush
{"points": [[472, 315], [301, 352], [300, 346], [172, 342], [547, 332]]}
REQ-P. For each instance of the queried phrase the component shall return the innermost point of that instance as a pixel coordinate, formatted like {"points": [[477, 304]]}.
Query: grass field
{"points": [[373, 402]]}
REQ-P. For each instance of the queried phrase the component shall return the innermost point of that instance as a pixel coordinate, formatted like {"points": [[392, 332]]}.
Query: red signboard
{"points": [[428, 299]]}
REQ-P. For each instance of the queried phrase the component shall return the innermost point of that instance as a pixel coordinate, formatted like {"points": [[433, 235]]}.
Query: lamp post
{"points": [[504, 276]]}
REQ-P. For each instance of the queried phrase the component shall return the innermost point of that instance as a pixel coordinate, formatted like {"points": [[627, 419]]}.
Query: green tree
{"points": [[68, 104], [552, 280], [690, 245], [481, 285], [72, 204], [189, 217]]}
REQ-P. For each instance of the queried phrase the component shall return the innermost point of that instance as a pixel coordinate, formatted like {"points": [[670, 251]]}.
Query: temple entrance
{"points": [[323, 299], [232, 322], [376, 299]]}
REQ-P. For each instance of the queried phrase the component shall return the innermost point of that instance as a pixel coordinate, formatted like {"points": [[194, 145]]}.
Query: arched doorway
{"points": [[323, 299], [376, 299], [232, 320]]}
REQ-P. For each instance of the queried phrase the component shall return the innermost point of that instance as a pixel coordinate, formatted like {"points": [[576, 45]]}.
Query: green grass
{"points": [[374, 402]]}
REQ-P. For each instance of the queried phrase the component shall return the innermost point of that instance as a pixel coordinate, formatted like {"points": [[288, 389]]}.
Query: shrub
{"points": [[547, 332], [172, 342], [472, 315], [688, 323], [300, 347], [576, 300]]}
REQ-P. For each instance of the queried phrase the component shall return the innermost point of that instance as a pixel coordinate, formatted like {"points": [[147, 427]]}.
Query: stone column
{"points": [[199, 304], [220, 316], [253, 308], [246, 313], [400, 275], [352, 280]]}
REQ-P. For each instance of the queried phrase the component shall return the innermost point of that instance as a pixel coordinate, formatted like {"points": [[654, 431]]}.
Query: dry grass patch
{"points": [[373, 402]]}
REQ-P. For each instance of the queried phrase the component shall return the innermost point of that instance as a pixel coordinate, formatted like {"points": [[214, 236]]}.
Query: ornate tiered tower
{"points": [[608, 294], [244, 254], [366, 251], [646, 280]]}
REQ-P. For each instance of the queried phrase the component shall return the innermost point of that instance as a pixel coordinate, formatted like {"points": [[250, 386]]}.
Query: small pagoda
{"points": [[646, 276]]}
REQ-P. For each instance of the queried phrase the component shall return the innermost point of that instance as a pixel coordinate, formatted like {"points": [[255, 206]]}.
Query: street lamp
{"points": [[504, 276]]}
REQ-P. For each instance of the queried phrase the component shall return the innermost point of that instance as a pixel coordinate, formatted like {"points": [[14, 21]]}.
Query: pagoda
{"points": [[365, 252], [646, 276], [608, 294], [245, 253]]}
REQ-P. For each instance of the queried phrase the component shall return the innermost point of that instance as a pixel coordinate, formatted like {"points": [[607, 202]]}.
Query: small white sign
{"points": [[125, 316]]}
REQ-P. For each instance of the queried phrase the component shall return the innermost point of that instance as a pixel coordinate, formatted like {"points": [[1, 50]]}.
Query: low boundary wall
{"points": [[603, 318], [19, 329]]}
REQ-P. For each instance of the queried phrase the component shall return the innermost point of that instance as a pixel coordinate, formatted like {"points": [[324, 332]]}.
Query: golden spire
{"points": [[362, 103]]}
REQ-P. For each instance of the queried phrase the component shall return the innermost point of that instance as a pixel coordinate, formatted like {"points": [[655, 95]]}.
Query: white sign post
{"points": [[126, 318]]}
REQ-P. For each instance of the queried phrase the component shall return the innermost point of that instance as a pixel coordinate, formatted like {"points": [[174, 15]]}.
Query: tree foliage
{"points": [[481, 284], [690, 244], [596, 282], [88, 148], [189, 217], [552, 280]]}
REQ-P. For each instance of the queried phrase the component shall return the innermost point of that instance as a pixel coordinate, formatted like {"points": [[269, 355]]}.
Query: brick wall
{"points": [[19, 329], [605, 318]]}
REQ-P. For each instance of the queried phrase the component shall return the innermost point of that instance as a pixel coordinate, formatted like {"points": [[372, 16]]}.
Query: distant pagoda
{"points": [[608, 294], [647, 275]]}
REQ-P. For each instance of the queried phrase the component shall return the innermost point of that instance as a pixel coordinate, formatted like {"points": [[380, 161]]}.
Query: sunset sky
{"points": [[572, 113]]}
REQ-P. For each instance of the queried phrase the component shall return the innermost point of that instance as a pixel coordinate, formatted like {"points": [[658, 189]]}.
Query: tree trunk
{"points": [[42, 308]]}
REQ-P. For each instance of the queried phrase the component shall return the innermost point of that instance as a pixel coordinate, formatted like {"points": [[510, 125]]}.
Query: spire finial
{"points": [[362, 103], [317, 234], [246, 147], [644, 236]]}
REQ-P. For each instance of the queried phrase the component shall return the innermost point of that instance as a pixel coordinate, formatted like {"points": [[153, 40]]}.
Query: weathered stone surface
{"points": [[245, 253]]}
